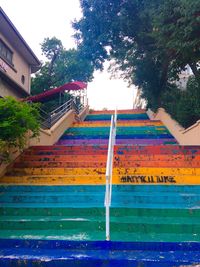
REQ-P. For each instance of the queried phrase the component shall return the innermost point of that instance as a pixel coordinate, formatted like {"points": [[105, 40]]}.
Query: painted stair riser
{"points": [[124, 128], [101, 171], [118, 142], [98, 235], [121, 221], [120, 254], [89, 226], [94, 158], [100, 180], [79, 224], [119, 117], [118, 149], [120, 130], [139, 189], [127, 136], [100, 151], [79, 215], [123, 123], [98, 198], [118, 246], [101, 253], [125, 111], [102, 164], [118, 213]]}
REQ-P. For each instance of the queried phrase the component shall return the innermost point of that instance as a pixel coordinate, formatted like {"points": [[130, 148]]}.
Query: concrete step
{"points": [[99, 179], [132, 189], [102, 253], [102, 164], [119, 123], [119, 149], [117, 157], [118, 136], [116, 212], [123, 111], [101, 171], [120, 130], [97, 142], [99, 117]]}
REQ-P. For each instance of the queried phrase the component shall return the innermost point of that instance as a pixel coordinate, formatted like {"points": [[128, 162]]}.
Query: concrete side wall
{"points": [[51, 136], [14, 153], [84, 113], [187, 137]]}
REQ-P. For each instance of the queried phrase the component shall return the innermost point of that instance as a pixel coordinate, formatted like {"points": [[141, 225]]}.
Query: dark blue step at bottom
{"points": [[100, 253]]}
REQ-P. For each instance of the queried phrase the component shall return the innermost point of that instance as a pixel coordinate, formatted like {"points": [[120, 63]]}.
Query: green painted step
{"points": [[76, 224], [115, 212], [50, 234], [90, 218], [97, 235], [132, 225]]}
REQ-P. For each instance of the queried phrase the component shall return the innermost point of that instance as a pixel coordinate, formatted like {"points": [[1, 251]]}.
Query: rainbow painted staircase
{"points": [[52, 200]]}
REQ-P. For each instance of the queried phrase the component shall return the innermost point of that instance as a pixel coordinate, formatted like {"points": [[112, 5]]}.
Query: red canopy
{"points": [[50, 94]]}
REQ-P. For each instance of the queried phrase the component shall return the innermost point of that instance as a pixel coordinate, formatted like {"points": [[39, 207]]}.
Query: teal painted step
{"points": [[101, 188], [100, 117], [45, 218], [93, 196], [105, 130], [97, 199]]}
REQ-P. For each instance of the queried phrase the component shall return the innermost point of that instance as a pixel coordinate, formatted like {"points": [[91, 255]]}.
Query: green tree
{"points": [[16, 119], [151, 41], [176, 27], [184, 106], [62, 66], [122, 30]]}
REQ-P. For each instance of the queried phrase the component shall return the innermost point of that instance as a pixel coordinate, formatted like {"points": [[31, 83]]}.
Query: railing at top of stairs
{"points": [[48, 119], [109, 168]]}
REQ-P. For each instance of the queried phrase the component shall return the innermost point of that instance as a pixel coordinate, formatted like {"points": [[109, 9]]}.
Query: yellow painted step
{"points": [[107, 124], [100, 179], [99, 171]]}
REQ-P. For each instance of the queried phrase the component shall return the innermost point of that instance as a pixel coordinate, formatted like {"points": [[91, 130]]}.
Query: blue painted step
{"points": [[100, 253]]}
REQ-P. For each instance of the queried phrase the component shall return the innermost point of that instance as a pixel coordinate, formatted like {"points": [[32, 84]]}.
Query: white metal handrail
{"points": [[109, 167]]}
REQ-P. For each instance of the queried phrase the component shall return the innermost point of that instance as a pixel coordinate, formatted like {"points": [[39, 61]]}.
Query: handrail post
{"points": [[109, 166]]}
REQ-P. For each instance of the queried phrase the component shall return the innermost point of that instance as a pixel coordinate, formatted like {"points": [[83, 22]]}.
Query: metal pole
{"points": [[108, 172]]}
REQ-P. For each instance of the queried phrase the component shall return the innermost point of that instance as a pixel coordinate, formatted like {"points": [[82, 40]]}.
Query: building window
{"points": [[6, 53], [23, 79]]}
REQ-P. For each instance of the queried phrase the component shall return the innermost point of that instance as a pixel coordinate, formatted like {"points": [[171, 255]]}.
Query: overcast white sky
{"points": [[38, 19]]}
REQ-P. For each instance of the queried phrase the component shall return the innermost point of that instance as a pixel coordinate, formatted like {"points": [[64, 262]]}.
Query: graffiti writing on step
{"points": [[148, 179]]}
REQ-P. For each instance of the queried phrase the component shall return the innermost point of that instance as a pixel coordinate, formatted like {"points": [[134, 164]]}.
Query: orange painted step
{"points": [[120, 123], [119, 150], [102, 164], [58, 158], [125, 158], [61, 164]]}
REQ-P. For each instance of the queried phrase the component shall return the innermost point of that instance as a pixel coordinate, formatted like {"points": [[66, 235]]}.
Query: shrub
{"points": [[184, 106], [16, 119]]}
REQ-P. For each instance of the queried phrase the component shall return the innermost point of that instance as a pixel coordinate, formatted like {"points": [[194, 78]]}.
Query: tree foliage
{"points": [[184, 106], [62, 66], [16, 118], [151, 41]]}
